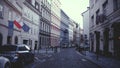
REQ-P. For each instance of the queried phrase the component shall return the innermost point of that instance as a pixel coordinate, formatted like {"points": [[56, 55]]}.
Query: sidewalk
{"points": [[104, 62], [42, 53]]}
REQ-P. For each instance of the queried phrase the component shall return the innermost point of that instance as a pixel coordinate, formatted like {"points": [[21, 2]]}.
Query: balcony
{"points": [[35, 8], [114, 15]]}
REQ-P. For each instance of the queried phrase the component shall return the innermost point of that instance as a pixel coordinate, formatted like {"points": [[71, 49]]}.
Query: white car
{"points": [[4, 62]]}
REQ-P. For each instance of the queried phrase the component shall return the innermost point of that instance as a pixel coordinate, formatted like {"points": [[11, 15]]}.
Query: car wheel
{"points": [[7, 65], [22, 63]]}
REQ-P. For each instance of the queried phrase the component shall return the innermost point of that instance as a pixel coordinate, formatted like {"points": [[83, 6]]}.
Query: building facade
{"points": [[32, 19], [64, 32], [104, 27], [76, 35], [8, 12], [71, 29], [85, 16], [45, 24], [21, 24], [55, 23]]}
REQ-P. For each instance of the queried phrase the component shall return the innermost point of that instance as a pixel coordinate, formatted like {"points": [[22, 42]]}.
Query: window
{"points": [[33, 2], [97, 17], [23, 48], [16, 40], [92, 20], [36, 5], [42, 26], [31, 30], [1, 11], [116, 4], [105, 7], [10, 15], [9, 39], [30, 1], [1, 38]]}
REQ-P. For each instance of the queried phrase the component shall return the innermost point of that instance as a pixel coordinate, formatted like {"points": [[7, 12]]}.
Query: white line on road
{"points": [[41, 60], [83, 59], [80, 55]]}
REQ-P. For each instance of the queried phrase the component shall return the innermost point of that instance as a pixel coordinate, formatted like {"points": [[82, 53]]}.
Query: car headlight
{"points": [[16, 56]]}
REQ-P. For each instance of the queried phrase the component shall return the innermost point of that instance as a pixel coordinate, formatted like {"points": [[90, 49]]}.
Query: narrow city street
{"points": [[66, 58]]}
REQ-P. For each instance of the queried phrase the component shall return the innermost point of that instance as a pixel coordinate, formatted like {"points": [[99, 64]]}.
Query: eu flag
{"points": [[10, 26], [25, 27]]}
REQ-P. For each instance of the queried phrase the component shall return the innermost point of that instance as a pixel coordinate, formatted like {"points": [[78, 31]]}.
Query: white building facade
{"points": [[24, 17], [32, 19], [45, 24], [85, 16], [55, 23], [8, 12]]}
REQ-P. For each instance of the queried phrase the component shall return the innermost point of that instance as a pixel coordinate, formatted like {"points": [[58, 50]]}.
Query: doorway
{"points": [[106, 42], [1, 38]]}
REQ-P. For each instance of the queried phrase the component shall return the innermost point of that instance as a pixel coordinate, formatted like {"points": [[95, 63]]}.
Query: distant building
{"points": [[78, 34], [86, 27], [55, 23], [71, 32], [64, 32]]}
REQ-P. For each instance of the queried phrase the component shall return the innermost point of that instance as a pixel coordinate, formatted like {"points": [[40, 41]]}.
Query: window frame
{"points": [[1, 11]]}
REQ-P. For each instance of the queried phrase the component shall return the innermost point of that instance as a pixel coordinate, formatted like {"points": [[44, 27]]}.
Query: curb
{"points": [[88, 59]]}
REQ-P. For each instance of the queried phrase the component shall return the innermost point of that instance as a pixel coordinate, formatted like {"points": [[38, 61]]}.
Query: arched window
{"points": [[1, 38], [16, 40]]}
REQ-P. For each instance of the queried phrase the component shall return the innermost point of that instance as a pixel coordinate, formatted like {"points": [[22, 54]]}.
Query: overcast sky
{"points": [[74, 8]]}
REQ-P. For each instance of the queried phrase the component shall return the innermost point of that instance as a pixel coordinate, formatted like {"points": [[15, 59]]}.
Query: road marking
{"points": [[41, 60], [83, 59], [36, 58], [78, 53]]}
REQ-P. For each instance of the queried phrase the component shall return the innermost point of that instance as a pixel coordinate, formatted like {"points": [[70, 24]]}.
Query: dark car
{"points": [[17, 54]]}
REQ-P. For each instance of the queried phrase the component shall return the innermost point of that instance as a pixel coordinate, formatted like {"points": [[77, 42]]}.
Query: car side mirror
{"points": [[30, 50]]}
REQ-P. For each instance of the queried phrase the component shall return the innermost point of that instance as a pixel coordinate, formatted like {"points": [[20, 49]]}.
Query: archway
{"points": [[16, 40], [1, 38]]}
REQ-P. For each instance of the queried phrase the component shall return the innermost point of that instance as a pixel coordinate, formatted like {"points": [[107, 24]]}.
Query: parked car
{"points": [[17, 54], [4, 62]]}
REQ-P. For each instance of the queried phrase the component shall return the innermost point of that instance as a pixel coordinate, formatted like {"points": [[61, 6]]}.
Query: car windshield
{"points": [[8, 48], [22, 48]]}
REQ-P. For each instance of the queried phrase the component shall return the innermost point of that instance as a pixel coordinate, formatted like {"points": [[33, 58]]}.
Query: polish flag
{"points": [[17, 24]]}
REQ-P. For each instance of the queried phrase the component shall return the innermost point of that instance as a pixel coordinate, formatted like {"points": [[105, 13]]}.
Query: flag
{"points": [[10, 28], [10, 25], [25, 27], [17, 24]]}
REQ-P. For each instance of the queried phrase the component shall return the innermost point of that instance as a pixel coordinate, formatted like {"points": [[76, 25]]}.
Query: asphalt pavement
{"points": [[66, 58]]}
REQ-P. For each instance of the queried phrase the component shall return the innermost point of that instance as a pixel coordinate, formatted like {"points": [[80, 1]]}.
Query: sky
{"points": [[74, 8]]}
